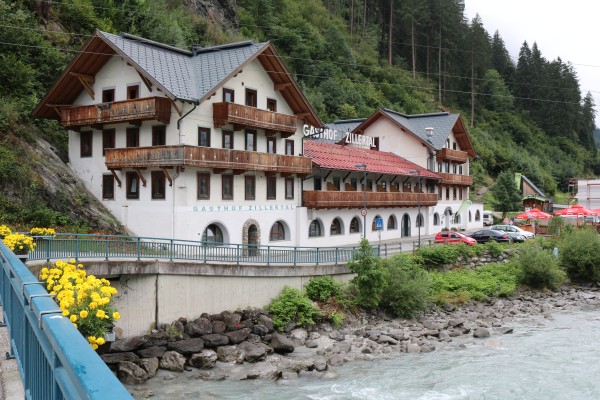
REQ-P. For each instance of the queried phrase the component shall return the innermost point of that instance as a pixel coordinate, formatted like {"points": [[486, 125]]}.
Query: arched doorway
{"points": [[251, 237], [405, 226], [447, 217]]}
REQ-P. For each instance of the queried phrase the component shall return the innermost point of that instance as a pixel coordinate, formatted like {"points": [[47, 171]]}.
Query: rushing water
{"points": [[543, 359]]}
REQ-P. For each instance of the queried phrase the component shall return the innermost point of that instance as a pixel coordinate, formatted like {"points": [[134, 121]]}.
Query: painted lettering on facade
{"points": [[236, 208], [337, 136]]}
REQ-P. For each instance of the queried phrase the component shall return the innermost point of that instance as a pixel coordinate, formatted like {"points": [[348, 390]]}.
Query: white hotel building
{"points": [[210, 144]]}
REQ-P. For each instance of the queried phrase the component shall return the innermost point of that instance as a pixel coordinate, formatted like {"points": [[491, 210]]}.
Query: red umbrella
{"points": [[576, 211], [534, 213]]}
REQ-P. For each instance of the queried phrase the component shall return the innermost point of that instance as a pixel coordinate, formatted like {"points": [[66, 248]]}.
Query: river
{"points": [[555, 358]]}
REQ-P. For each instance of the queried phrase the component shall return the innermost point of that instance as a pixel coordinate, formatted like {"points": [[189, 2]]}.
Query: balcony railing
{"points": [[454, 179], [205, 157], [457, 156], [152, 108], [240, 116], [319, 199]]}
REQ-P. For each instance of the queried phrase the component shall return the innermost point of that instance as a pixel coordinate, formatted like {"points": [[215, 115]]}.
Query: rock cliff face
{"points": [[221, 13]]}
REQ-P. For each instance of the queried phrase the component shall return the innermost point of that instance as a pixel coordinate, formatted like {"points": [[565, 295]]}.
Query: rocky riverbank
{"points": [[243, 345]]}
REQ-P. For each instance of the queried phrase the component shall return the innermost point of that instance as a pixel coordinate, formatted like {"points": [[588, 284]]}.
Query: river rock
{"points": [[238, 336], [266, 321], [253, 352], [131, 374], [172, 361], [198, 327], [481, 332], [335, 360], [229, 354], [206, 359], [232, 321], [260, 329], [214, 340], [299, 336], [128, 344], [336, 335], [157, 338], [387, 339], [218, 326], [150, 365], [187, 346], [281, 344], [152, 352], [504, 330], [115, 358]]}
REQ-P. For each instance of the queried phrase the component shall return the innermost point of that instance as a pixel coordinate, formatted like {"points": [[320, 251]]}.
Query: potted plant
{"points": [[20, 244]]}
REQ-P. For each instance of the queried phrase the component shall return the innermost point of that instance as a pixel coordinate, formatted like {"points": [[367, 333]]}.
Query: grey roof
{"points": [[442, 124], [187, 76], [345, 125], [526, 179]]}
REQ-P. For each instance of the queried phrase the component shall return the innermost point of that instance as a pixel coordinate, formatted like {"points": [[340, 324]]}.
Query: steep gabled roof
{"points": [[442, 123], [338, 157], [180, 74]]}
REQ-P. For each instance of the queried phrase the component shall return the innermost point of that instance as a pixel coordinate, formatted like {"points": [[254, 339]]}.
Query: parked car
{"points": [[518, 234], [447, 237], [488, 218], [485, 235]]}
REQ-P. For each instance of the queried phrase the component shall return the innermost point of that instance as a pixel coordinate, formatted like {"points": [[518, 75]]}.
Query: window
{"points": [[158, 185], [271, 187], [447, 193], [108, 95], [460, 194], [470, 216], [251, 97], [355, 225], [250, 140], [227, 187], [354, 183], [108, 140], [336, 182], [159, 135], [250, 187], [315, 229], [277, 232], [477, 215], [132, 182], [289, 147], [453, 193], [440, 190], [336, 227], [369, 185], [454, 146], [228, 139], [454, 168], [204, 137], [212, 235], [439, 167], [392, 224], [460, 169], [203, 186], [436, 219], [133, 92], [447, 143], [108, 187], [133, 137], [271, 145], [447, 167], [289, 188], [228, 95], [420, 221], [85, 139], [272, 105], [318, 183]]}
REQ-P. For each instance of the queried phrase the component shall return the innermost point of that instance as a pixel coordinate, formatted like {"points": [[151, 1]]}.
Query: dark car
{"points": [[485, 235]]}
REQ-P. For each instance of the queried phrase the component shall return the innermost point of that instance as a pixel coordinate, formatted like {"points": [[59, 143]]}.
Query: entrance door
{"points": [[252, 240], [405, 225]]}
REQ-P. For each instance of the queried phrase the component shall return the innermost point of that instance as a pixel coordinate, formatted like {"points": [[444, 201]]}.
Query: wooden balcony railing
{"points": [[240, 116], [206, 157], [457, 156], [454, 179], [151, 108], [319, 199]]}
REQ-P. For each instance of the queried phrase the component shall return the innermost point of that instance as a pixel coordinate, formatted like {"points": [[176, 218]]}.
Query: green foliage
{"points": [[407, 287], [506, 194], [370, 275], [494, 248], [579, 255], [437, 256], [293, 305], [556, 224], [322, 288], [539, 268], [492, 280]]}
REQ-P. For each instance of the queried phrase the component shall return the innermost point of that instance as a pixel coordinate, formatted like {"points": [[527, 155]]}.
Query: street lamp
{"points": [[364, 210], [419, 220]]}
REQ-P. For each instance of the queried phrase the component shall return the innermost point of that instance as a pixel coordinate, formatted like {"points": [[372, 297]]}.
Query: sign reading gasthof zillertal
{"points": [[335, 135]]}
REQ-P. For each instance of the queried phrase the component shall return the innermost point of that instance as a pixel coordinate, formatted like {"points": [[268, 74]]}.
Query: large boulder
{"points": [[172, 361], [150, 365], [198, 327], [131, 374], [218, 327], [158, 338], [115, 358], [206, 359], [282, 344], [254, 352], [215, 340], [233, 321], [128, 344], [266, 321], [187, 346], [150, 352], [238, 336], [229, 354]]}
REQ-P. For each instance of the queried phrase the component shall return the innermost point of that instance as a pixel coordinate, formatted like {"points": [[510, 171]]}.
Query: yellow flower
{"points": [[100, 341], [83, 314], [116, 315], [92, 339], [65, 313], [73, 318], [100, 314], [94, 346]]}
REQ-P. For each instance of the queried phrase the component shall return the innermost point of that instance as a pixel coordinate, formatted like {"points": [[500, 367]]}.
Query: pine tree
{"points": [[506, 193]]}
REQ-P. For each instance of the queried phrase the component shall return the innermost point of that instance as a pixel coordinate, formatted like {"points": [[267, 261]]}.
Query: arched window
{"points": [[420, 220], [392, 224], [315, 229], [470, 216], [355, 225], [457, 219], [477, 215], [336, 227], [277, 232], [212, 235], [373, 224], [436, 219]]}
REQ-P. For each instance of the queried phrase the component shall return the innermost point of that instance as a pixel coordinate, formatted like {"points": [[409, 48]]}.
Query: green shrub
{"points": [[407, 287], [370, 275], [579, 255], [494, 248], [322, 288], [437, 256], [539, 268], [293, 305]]}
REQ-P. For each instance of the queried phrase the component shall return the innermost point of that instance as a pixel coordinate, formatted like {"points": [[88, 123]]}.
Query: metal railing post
{"points": [[106, 248], [76, 247], [336, 255], [268, 255], [237, 254], [49, 243], [139, 249], [295, 250], [171, 250], [204, 252], [317, 256]]}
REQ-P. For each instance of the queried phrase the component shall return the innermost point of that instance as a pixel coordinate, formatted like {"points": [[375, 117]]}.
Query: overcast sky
{"points": [[565, 29]]}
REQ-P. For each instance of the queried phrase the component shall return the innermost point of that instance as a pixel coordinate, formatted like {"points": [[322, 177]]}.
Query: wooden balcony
{"points": [[318, 199], [219, 160], [456, 180], [133, 111], [457, 156], [241, 116]]}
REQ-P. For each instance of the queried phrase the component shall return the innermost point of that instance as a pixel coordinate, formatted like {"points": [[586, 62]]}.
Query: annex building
{"points": [[220, 144]]}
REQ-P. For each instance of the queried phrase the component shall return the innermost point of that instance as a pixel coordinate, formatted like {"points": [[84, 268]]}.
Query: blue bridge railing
{"points": [[54, 360], [64, 246]]}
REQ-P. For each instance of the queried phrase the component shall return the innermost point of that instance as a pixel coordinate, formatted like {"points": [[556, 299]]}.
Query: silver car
{"points": [[514, 231]]}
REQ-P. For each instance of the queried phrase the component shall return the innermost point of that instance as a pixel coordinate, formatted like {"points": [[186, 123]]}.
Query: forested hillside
{"points": [[350, 57]]}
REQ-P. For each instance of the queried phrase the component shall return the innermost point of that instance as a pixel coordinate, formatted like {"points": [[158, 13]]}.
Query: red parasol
{"points": [[576, 211], [534, 213]]}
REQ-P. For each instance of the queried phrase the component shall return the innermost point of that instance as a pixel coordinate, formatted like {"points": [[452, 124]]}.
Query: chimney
{"points": [[429, 131]]}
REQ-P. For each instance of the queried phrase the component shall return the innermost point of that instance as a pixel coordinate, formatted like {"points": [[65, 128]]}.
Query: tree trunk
{"points": [[440, 67], [364, 27], [414, 50], [351, 19], [390, 33], [472, 86]]}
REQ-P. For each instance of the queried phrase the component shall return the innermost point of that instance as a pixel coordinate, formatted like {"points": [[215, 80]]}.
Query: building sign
{"points": [[337, 136], [236, 208]]}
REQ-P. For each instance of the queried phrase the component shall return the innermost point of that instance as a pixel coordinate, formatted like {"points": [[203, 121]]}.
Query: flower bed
{"points": [[19, 243]]}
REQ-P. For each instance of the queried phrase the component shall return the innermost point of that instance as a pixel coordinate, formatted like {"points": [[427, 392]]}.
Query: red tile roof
{"points": [[335, 156]]}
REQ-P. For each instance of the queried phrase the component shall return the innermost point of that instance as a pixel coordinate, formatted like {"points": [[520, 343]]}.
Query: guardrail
{"points": [[55, 361], [80, 246]]}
